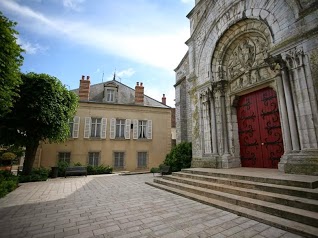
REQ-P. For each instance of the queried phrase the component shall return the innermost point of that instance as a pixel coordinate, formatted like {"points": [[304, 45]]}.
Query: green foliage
{"points": [[62, 165], [8, 156], [10, 62], [8, 182], [101, 169], [41, 113], [37, 174], [78, 164], [154, 170], [179, 157]]}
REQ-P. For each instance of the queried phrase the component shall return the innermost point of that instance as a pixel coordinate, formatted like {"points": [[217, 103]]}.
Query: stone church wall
{"points": [[237, 47]]}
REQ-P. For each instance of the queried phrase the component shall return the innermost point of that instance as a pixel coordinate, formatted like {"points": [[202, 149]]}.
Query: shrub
{"points": [[8, 156], [78, 164], [8, 182], [101, 169], [62, 165], [38, 174], [179, 157], [154, 170]]}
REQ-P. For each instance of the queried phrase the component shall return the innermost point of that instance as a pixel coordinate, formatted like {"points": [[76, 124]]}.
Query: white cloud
{"points": [[188, 2], [73, 4], [126, 73], [163, 50], [31, 48]]}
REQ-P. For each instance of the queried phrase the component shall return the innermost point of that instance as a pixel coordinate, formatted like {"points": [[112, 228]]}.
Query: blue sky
{"points": [[143, 40]]}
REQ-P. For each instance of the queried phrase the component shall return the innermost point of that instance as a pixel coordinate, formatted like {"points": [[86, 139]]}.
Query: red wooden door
{"points": [[261, 143]]}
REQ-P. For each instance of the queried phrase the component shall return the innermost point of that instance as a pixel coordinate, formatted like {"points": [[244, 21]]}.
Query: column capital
{"points": [[220, 86]]}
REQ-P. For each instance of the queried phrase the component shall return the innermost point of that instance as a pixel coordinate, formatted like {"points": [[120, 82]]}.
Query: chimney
{"points": [[139, 94], [84, 88], [164, 100]]}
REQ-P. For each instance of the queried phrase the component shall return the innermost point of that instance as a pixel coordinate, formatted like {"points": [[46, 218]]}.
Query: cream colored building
{"points": [[114, 125]]}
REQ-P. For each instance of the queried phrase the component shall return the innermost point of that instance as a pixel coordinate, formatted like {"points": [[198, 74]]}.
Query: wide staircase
{"points": [[289, 202]]}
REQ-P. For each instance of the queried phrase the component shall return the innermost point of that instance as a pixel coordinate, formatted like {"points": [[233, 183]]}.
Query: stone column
{"points": [[290, 110], [283, 113], [221, 87], [213, 126]]}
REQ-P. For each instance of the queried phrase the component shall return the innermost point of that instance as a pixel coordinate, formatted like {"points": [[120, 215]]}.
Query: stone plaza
{"points": [[116, 206]]}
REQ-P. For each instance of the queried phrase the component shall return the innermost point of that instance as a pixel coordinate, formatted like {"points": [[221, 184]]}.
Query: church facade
{"points": [[247, 89]]}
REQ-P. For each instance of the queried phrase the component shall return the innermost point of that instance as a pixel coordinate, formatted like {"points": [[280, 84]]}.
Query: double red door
{"points": [[260, 135]]}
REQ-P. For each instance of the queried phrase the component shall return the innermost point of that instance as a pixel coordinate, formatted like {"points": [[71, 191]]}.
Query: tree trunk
{"points": [[30, 152]]}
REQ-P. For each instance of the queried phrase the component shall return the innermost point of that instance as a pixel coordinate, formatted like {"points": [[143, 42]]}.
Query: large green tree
{"points": [[10, 62], [40, 113]]}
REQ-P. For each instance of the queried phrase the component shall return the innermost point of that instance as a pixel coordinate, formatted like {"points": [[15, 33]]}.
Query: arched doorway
{"points": [[259, 128]]}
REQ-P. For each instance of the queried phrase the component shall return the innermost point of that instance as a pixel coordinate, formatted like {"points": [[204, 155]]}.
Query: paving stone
{"points": [[116, 206]]}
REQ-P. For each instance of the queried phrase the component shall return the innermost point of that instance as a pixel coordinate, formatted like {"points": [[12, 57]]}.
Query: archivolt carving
{"points": [[240, 59]]}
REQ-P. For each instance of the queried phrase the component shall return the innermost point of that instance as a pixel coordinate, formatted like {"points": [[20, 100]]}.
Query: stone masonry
{"points": [[237, 47]]}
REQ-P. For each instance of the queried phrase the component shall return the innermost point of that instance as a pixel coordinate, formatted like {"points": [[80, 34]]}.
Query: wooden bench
{"points": [[165, 169], [76, 170]]}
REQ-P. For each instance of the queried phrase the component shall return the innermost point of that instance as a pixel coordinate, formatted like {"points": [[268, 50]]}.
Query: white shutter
{"points": [[112, 128], [76, 123], [127, 129], [149, 129], [103, 128], [135, 129], [87, 128]]}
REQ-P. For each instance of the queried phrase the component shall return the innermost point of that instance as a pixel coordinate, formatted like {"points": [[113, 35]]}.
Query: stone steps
{"points": [[278, 180], [287, 204], [285, 224], [291, 201]]}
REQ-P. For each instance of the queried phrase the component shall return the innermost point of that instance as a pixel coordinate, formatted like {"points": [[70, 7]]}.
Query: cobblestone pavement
{"points": [[116, 206]]}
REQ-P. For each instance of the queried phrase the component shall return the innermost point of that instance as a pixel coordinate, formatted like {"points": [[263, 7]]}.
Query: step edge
{"points": [[296, 227], [251, 200]]}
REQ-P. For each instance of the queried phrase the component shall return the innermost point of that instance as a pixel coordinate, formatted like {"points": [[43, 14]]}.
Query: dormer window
{"points": [[110, 92], [110, 95]]}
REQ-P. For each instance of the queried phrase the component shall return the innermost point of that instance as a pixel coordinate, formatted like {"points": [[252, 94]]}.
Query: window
{"points": [[110, 95], [96, 127], [65, 156], [142, 160], [142, 128], [74, 127], [71, 125], [119, 159], [120, 128], [93, 158]]}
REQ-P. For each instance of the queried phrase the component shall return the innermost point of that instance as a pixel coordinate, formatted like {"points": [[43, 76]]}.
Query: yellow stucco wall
{"points": [[157, 147]]}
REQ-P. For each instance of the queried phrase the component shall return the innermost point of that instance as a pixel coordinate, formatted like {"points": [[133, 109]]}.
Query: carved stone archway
{"points": [[238, 67]]}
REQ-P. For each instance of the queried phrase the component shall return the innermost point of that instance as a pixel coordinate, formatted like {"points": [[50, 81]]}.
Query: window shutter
{"points": [[87, 128], [149, 129], [103, 128], [127, 129], [76, 124], [112, 128], [135, 129]]}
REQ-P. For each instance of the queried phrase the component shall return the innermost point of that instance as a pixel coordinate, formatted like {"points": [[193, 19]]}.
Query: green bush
{"points": [[62, 165], [78, 164], [179, 157], [8, 182], [154, 170], [38, 174], [101, 169]]}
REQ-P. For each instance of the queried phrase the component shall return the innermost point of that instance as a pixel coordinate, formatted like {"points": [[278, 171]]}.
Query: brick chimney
{"points": [[139, 94], [164, 100], [84, 88]]}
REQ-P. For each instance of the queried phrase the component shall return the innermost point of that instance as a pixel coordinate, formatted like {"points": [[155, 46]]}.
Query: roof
{"points": [[126, 95]]}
